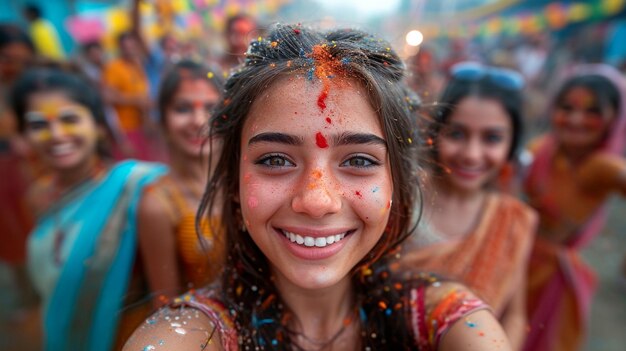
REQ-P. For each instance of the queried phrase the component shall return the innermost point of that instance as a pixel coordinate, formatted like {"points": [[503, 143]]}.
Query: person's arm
{"points": [[464, 321], [135, 23], [514, 318], [603, 173], [161, 331], [479, 331], [157, 246]]}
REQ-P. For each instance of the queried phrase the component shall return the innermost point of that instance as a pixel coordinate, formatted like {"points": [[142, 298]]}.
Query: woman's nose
{"points": [[315, 197]]}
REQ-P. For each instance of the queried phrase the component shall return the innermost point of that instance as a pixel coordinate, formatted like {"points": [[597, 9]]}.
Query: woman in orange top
{"points": [[575, 168], [486, 246], [175, 257]]}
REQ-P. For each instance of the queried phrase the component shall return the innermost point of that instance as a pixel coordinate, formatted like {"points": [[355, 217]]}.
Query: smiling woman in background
{"points": [[175, 259], [475, 131], [81, 252]]}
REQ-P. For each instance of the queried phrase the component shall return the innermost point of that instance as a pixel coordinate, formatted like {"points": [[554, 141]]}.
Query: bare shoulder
{"points": [[181, 328], [479, 330], [472, 325]]}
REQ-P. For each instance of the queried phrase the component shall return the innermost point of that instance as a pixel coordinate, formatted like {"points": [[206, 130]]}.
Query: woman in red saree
{"points": [[575, 168]]}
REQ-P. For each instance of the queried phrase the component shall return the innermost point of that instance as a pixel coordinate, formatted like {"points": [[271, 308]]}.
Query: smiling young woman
{"points": [[80, 253], [576, 167], [173, 256], [475, 133], [316, 189]]}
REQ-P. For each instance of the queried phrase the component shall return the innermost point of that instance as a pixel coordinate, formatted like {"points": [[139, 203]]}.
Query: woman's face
{"points": [[474, 144], [188, 113], [63, 132], [315, 179], [14, 58], [579, 121]]}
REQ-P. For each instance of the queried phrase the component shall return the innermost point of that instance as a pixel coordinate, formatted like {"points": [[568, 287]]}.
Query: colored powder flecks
{"points": [[320, 141], [326, 67], [358, 194], [375, 189], [321, 100], [253, 202], [328, 120]]}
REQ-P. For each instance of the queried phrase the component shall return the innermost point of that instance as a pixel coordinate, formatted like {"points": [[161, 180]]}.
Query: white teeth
{"points": [[61, 149], [310, 241]]}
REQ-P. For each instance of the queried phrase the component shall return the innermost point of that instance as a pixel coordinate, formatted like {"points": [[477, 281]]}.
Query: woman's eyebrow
{"points": [[357, 138], [271, 137]]}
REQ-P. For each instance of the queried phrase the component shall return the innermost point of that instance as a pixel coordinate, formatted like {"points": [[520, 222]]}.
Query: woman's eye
{"points": [[594, 112], [493, 138], [359, 162], [565, 107], [37, 125], [275, 161], [455, 134], [69, 118], [183, 108]]}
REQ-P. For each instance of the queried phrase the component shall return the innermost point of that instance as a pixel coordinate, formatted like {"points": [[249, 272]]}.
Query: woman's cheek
{"points": [[372, 201], [259, 195]]}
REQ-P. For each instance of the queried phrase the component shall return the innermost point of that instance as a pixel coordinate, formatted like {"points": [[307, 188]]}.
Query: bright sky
{"points": [[364, 7]]}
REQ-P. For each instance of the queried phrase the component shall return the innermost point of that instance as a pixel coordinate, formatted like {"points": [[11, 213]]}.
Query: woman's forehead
{"points": [[343, 103]]}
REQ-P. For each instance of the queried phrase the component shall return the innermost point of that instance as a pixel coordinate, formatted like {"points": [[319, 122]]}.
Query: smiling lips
{"points": [[310, 241], [314, 245]]}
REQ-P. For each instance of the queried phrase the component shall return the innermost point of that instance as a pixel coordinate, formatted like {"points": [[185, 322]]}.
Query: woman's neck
{"points": [[465, 206], [575, 155], [67, 179], [445, 192], [320, 315]]}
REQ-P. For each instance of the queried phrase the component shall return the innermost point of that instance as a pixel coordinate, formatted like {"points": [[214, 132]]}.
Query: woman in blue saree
{"points": [[81, 254]]}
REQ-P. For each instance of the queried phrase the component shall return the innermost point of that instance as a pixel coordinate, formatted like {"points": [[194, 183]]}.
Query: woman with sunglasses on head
{"points": [[82, 249], [575, 168], [316, 190], [472, 232], [174, 257]]}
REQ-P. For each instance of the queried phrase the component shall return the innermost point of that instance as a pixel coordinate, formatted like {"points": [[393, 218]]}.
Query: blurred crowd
{"points": [[117, 144]]}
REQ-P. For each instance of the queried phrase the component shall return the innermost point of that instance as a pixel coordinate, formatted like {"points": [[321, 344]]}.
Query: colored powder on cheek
{"points": [[560, 120], [358, 194], [253, 202], [321, 100], [375, 189], [42, 136], [320, 140], [593, 123], [389, 204], [328, 120]]}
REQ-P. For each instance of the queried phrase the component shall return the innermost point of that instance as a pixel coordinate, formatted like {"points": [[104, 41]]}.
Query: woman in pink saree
{"points": [[576, 167]]}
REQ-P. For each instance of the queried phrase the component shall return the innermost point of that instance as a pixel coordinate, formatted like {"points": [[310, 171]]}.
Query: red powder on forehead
{"points": [[320, 140], [328, 120], [326, 66], [358, 194], [321, 100]]}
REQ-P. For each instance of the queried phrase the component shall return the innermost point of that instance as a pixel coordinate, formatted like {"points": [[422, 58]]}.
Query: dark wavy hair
{"points": [[247, 287], [485, 88], [73, 85]]}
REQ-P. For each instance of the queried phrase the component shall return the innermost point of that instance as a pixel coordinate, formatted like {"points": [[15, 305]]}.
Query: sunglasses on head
{"points": [[474, 71]]}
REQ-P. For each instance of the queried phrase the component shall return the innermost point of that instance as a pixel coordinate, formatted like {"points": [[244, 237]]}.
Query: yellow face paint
{"points": [[70, 120]]}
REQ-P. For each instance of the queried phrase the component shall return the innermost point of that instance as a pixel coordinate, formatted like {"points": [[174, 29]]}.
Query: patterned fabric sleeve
{"points": [[217, 314], [436, 307]]}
